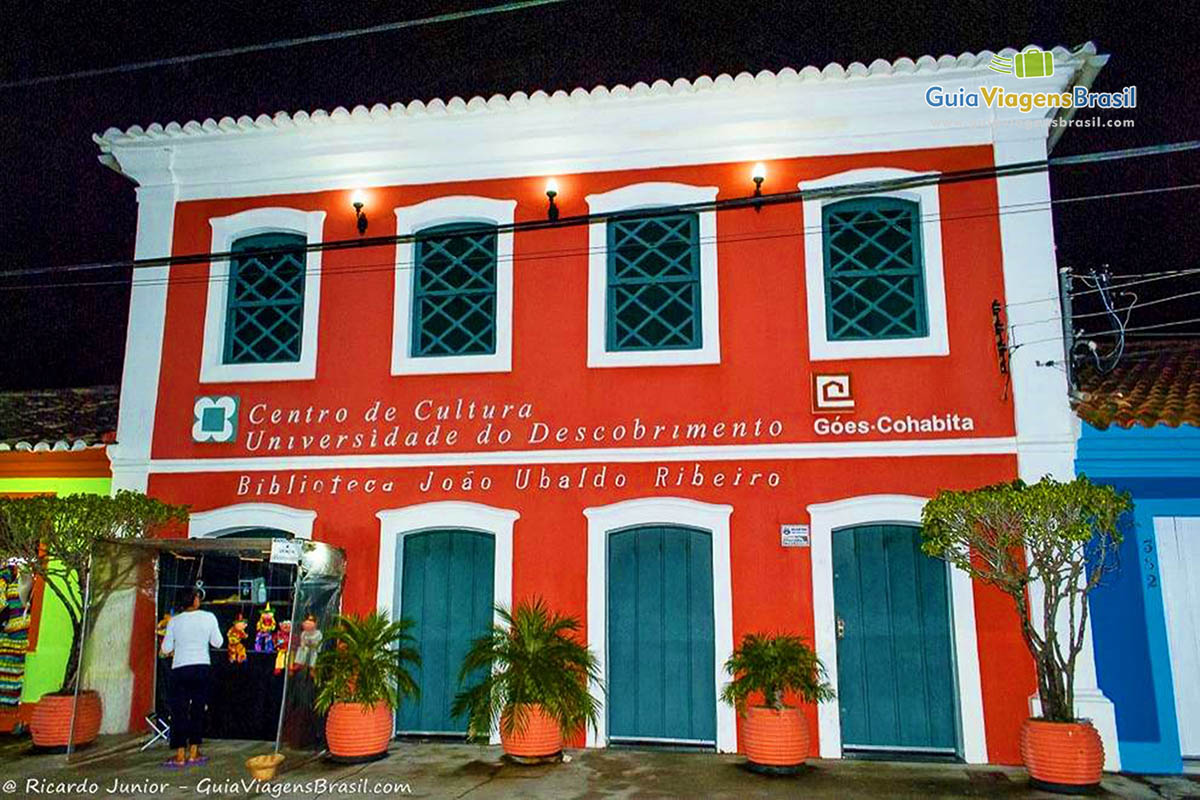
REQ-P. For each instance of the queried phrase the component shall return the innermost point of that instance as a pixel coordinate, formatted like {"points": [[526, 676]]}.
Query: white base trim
{"points": [[396, 523], [228, 520], [603, 520], [996, 445], [825, 519]]}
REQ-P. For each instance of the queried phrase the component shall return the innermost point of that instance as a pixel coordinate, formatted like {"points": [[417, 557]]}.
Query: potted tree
{"points": [[361, 678], [53, 538], [769, 667], [1060, 538], [533, 677]]}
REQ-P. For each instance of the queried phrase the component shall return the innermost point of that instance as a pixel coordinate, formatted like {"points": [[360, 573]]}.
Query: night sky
{"points": [[62, 207]]}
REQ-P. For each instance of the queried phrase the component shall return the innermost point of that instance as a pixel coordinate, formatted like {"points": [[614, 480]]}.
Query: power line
{"points": [[1153, 276], [526, 256], [1140, 328], [749, 201], [1136, 306], [278, 44]]}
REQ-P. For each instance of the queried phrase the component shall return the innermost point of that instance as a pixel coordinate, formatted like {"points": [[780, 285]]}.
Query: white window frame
{"points": [[825, 520], [227, 230], [630, 198], [603, 521], [936, 342], [444, 211], [229, 520]]}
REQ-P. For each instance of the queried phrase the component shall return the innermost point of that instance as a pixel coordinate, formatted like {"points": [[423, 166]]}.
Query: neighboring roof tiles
{"points": [[880, 68], [1155, 383], [57, 420]]}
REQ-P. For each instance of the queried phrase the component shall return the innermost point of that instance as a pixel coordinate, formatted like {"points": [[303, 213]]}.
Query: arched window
{"points": [[454, 291], [264, 319], [874, 269], [260, 320]]}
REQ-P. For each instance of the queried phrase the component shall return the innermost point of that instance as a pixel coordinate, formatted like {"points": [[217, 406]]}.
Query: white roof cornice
{"points": [[768, 115]]}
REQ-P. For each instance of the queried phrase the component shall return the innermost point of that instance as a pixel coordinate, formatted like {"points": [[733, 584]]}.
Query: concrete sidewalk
{"points": [[478, 772]]}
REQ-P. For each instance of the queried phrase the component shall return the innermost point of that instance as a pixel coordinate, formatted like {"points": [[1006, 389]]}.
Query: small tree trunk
{"points": [[71, 676]]}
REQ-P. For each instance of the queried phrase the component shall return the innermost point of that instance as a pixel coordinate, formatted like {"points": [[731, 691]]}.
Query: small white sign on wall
{"points": [[793, 535], [286, 551]]}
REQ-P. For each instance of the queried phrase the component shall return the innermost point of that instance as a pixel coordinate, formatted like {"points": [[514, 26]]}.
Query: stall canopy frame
{"points": [[119, 567]]}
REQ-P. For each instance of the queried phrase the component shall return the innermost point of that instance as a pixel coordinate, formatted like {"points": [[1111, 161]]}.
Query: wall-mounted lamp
{"points": [[359, 199], [551, 193], [758, 174]]}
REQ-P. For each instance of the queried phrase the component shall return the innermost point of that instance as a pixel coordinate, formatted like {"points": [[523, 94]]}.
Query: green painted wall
{"points": [[44, 667]]}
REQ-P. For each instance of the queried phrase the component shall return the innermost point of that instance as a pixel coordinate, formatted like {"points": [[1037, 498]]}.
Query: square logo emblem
{"points": [[831, 394], [215, 419]]}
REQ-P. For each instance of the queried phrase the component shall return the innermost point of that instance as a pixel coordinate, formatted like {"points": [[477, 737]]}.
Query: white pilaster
{"points": [[1046, 427], [130, 456]]}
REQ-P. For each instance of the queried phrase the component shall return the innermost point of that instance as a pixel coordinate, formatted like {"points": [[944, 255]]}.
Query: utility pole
{"points": [[1064, 294]]}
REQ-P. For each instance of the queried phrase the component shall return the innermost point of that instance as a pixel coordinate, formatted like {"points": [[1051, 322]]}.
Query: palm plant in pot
{"points": [[769, 667], [53, 538], [1046, 544], [361, 678], [534, 684]]}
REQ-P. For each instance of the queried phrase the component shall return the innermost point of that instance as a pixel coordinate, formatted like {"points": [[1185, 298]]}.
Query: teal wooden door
{"points": [[660, 636], [446, 589], [895, 669]]}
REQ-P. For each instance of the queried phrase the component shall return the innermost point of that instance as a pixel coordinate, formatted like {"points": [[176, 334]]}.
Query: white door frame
{"points": [[882, 509], [1173, 577], [397, 523], [604, 520]]}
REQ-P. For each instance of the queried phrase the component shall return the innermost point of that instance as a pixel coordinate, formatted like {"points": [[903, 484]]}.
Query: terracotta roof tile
{"points": [[57, 419], [1156, 383]]}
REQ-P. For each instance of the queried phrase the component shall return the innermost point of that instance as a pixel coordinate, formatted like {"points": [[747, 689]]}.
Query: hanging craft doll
{"points": [[310, 644], [14, 632], [264, 640], [160, 630], [283, 640], [236, 637]]}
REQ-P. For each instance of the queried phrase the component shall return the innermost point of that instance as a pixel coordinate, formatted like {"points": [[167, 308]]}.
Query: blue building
{"points": [[1141, 433]]}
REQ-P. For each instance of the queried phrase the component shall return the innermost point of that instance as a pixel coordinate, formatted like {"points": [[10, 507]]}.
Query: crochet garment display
{"points": [[14, 634]]}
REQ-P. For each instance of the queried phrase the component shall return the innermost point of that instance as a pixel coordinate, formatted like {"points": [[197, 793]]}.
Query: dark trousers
{"points": [[189, 703]]}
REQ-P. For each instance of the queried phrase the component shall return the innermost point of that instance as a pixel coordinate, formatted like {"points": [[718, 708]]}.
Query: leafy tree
{"points": [[54, 538], [530, 657], [774, 665], [368, 662], [1063, 535]]}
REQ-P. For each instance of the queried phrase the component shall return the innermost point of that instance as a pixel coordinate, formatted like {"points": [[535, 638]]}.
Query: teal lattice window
{"points": [[874, 276], [454, 291], [264, 316], [654, 283]]}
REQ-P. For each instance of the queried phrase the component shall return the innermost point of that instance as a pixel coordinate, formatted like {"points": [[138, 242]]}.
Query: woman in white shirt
{"points": [[189, 635]]}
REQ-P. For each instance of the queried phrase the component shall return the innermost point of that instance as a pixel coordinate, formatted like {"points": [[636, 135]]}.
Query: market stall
{"points": [[272, 598]]}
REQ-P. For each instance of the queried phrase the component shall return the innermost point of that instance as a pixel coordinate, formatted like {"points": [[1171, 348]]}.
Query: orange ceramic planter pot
{"points": [[357, 732], [50, 726], [541, 737], [1064, 756], [775, 738]]}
